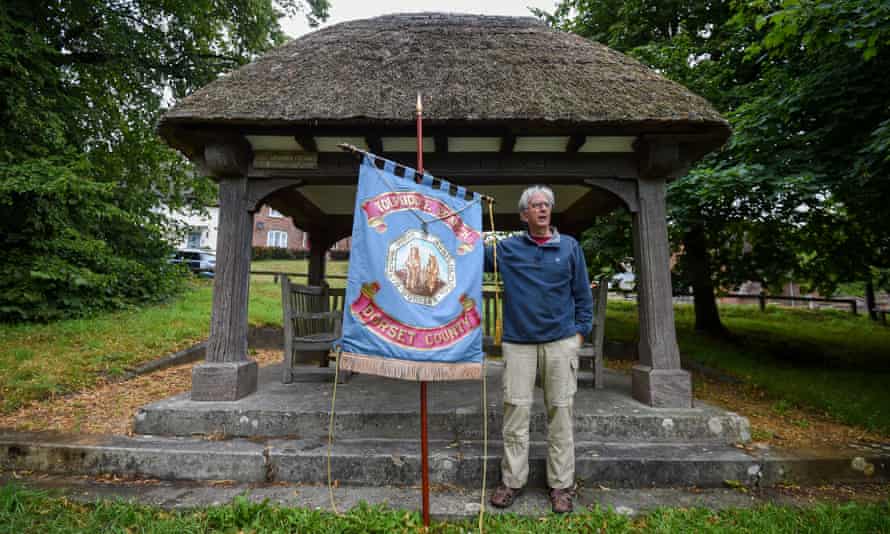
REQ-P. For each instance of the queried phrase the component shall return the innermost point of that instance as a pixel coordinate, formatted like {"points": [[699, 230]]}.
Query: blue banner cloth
{"points": [[414, 289]]}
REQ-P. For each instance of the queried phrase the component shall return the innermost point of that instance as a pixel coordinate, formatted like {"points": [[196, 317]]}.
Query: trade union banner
{"points": [[414, 289]]}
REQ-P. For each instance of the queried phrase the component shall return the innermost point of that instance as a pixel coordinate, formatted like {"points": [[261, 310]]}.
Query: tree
{"points": [[82, 84], [830, 112], [799, 184]]}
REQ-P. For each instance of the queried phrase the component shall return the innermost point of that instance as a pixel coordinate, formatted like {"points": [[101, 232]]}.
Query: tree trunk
{"points": [[707, 316], [870, 299]]}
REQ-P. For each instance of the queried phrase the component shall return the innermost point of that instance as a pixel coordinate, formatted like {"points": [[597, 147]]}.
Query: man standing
{"points": [[548, 309]]}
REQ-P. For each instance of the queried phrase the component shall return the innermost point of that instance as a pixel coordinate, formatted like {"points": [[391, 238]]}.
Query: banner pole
{"points": [[424, 442]]}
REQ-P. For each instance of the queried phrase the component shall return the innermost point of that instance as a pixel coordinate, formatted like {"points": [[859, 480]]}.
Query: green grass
{"points": [[41, 360], [830, 361], [26, 510]]}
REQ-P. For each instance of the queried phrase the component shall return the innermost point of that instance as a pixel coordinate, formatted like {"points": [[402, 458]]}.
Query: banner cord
{"points": [[331, 429], [497, 335], [423, 222]]}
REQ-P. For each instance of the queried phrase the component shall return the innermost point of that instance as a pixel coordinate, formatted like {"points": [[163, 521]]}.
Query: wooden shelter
{"points": [[508, 102]]}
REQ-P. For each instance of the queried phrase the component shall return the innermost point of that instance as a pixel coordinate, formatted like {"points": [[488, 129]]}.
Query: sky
{"points": [[343, 10]]}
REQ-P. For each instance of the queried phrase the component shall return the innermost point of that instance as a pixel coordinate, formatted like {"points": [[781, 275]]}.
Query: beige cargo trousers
{"points": [[557, 362]]}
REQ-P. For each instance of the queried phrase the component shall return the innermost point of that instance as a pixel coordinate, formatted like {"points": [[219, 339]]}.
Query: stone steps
{"points": [[382, 462], [373, 407], [456, 425]]}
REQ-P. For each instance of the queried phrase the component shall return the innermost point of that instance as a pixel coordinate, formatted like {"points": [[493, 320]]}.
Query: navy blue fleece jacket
{"points": [[546, 289]]}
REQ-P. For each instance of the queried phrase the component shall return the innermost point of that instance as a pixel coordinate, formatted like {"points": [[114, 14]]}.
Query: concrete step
{"points": [[379, 462], [620, 465], [374, 407], [445, 503]]}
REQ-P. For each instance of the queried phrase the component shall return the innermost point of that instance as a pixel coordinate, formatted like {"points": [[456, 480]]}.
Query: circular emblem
{"points": [[420, 267]]}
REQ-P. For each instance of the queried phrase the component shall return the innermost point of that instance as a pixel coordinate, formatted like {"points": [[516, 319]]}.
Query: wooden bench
{"points": [[592, 349], [591, 352], [310, 323]]}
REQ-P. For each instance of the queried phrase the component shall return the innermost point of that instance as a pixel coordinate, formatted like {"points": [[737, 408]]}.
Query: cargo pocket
{"points": [[573, 382], [514, 378]]}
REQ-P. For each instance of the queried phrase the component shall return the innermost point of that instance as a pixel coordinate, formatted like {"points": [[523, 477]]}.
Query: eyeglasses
{"points": [[539, 205]]}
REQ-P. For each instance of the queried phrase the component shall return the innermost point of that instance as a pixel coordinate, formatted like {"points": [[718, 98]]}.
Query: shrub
{"points": [[276, 253], [339, 255]]}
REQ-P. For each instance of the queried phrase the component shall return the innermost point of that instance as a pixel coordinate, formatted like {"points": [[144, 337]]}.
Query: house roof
{"points": [[471, 69]]}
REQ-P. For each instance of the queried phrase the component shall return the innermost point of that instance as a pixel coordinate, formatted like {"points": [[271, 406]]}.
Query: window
{"points": [[277, 239], [193, 239], [275, 213]]}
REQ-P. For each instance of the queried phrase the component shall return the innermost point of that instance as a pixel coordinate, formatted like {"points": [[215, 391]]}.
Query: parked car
{"points": [[623, 282], [200, 262]]}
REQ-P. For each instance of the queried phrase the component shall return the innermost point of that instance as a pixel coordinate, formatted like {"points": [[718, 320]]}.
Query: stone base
{"points": [[223, 381], [662, 388]]}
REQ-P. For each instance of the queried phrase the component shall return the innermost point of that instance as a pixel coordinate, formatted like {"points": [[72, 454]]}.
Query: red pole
{"points": [[424, 442]]}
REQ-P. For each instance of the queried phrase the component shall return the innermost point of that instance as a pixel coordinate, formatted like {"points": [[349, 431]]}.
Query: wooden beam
{"points": [[508, 141], [579, 216], [296, 206], [441, 141], [307, 142], [227, 158], [526, 167], [575, 143], [375, 143]]}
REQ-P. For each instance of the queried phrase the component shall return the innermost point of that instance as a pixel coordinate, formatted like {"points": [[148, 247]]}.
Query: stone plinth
{"points": [[223, 381], [662, 388]]}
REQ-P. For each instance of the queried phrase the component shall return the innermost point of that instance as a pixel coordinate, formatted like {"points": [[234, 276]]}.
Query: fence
{"points": [[761, 298]]}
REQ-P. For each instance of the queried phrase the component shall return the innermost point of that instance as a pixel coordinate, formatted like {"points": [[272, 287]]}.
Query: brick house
{"points": [[273, 229]]}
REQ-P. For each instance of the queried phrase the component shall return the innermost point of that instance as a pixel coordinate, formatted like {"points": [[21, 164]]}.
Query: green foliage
{"points": [[277, 253], [607, 244], [69, 248], [82, 172], [800, 186]]}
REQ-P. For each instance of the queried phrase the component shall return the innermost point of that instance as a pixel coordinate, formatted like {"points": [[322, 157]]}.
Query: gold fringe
{"points": [[409, 370]]}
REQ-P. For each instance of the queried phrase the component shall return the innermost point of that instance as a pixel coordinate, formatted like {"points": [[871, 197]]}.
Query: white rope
{"points": [[484, 446], [331, 430]]}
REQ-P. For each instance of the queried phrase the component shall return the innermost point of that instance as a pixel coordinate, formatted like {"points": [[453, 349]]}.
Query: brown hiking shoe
{"points": [[504, 496], [561, 500]]}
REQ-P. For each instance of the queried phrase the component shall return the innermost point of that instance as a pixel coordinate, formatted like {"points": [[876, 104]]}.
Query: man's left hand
{"points": [[580, 339]]}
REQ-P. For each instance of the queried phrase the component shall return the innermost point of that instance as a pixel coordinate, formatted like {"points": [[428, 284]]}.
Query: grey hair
{"points": [[527, 194]]}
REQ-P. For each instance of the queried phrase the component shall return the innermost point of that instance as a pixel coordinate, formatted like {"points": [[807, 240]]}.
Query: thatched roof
{"points": [[470, 69]]}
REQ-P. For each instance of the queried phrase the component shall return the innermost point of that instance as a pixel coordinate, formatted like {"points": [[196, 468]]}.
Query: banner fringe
{"points": [[410, 370]]}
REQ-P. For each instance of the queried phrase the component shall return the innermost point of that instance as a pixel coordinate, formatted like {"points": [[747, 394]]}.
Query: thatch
{"points": [[469, 68]]}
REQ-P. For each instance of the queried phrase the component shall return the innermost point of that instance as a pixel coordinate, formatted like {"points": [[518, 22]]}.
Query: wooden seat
{"points": [[592, 349], [309, 323]]}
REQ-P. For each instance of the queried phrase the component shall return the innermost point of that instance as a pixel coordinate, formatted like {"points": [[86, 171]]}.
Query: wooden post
{"points": [[320, 242], [227, 374], [870, 299], [658, 380], [424, 441]]}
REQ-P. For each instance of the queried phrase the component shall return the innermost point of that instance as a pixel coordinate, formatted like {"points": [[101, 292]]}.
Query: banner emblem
{"points": [[421, 268]]}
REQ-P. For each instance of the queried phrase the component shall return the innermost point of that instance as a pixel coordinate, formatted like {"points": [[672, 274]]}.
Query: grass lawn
{"points": [[830, 361], [41, 360], [24, 510]]}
